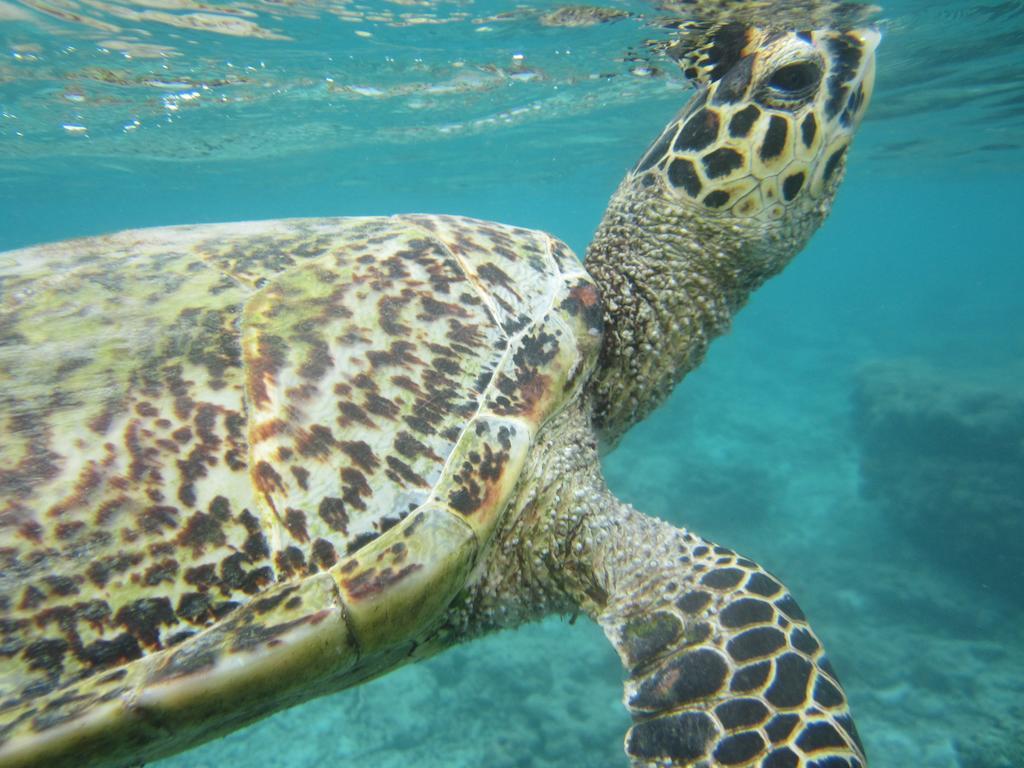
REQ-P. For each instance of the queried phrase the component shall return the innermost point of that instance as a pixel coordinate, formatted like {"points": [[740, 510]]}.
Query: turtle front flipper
{"points": [[723, 667]]}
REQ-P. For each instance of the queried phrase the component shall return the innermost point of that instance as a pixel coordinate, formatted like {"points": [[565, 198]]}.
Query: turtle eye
{"points": [[795, 79]]}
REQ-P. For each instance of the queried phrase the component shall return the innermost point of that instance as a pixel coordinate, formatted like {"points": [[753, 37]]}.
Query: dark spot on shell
{"points": [[410, 447], [200, 531], [250, 521], [223, 608], [165, 570], [255, 635], [31, 598], [69, 529], [256, 546], [188, 660], [536, 350], [354, 487], [156, 518], [373, 581], [584, 299], [332, 511], [220, 508], [142, 618], [295, 522], [494, 274], [266, 479], [301, 475], [290, 561], [202, 576], [389, 311], [360, 541], [231, 571], [106, 653], [361, 453], [380, 406], [352, 413], [402, 472], [194, 607], [433, 309], [257, 579], [466, 499], [100, 570], [317, 442], [398, 354], [324, 554], [46, 655], [94, 612]]}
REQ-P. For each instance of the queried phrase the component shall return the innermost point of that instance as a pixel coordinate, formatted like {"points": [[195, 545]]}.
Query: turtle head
{"points": [[727, 195], [766, 136]]}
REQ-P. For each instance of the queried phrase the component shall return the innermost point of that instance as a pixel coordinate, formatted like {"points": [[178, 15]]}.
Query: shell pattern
{"points": [[193, 415]]}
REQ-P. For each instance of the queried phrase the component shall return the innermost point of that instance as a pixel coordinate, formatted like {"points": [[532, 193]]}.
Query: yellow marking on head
{"points": [[761, 137]]}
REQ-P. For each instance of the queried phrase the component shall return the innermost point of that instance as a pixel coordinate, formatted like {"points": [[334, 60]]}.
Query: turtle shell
{"points": [[329, 412]]}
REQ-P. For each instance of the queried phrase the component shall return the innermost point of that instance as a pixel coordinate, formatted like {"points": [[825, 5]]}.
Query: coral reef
{"points": [[942, 456]]}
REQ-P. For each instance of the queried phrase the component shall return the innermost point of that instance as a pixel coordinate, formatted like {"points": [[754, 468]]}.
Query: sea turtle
{"points": [[247, 464]]}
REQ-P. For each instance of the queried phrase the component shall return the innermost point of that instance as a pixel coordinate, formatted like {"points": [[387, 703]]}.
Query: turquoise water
{"points": [[859, 432]]}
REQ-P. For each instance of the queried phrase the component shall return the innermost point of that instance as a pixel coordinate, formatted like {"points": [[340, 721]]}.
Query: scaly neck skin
{"points": [[671, 277], [565, 544], [530, 569]]}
